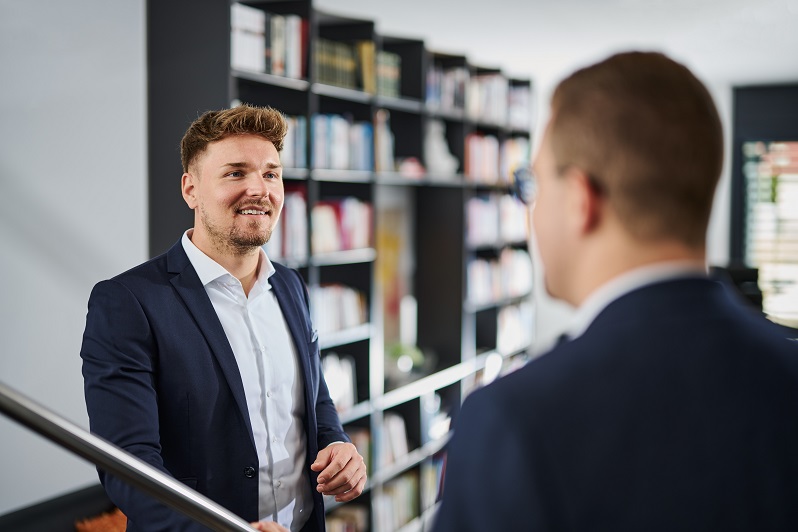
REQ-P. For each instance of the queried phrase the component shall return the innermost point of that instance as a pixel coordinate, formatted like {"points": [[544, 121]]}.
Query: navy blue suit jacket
{"points": [[161, 381], [676, 410]]}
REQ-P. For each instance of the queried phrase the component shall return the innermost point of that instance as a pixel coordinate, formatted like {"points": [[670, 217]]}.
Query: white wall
{"points": [[72, 208]]}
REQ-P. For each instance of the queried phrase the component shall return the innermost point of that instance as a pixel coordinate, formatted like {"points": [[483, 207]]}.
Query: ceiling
{"points": [[725, 42]]}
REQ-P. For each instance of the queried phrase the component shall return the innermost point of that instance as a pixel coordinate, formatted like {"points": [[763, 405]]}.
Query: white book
{"points": [[247, 38]]}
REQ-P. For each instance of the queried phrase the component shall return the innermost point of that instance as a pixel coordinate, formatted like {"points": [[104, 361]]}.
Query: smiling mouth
{"points": [[255, 212]]}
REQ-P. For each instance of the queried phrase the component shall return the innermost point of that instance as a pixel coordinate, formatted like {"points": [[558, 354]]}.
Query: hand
{"points": [[343, 471], [268, 526]]}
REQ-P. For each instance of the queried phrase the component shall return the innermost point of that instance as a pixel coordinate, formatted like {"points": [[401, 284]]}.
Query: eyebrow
{"points": [[246, 165]]}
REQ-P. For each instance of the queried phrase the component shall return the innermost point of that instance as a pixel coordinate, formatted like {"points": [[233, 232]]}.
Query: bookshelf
{"points": [[392, 217]]}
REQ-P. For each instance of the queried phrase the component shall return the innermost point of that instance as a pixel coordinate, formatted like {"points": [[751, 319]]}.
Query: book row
{"points": [[491, 280], [267, 42], [277, 44], [339, 224], [490, 161], [496, 219], [336, 307]]}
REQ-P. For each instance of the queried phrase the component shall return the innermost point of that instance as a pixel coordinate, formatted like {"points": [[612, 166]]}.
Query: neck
{"points": [[243, 265], [608, 261]]}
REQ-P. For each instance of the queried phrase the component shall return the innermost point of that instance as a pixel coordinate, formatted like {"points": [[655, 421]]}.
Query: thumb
{"points": [[321, 460]]}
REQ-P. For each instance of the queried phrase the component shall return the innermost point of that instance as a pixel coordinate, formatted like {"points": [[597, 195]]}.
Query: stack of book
{"points": [[267, 42], [432, 480], [294, 154], [514, 328], [388, 73], [335, 63], [496, 220], [341, 224], [394, 444], [482, 158], [482, 220], [340, 144], [490, 280], [339, 373], [348, 518], [486, 99], [513, 220], [446, 88], [337, 307], [289, 238], [519, 107], [398, 503]]}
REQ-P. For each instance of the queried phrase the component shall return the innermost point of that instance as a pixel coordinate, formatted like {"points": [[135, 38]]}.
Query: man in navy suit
{"points": [[204, 362], [671, 406]]}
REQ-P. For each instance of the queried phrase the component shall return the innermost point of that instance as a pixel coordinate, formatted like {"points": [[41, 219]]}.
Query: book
{"points": [[366, 72], [399, 502], [278, 48], [247, 39], [293, 46], [339, 373], [388, 73], [336, 307]]}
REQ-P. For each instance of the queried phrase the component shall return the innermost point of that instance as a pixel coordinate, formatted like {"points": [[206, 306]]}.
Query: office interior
{"points": [[74, 154]]}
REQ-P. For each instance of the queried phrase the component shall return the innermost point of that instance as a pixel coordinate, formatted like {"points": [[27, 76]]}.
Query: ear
{"points": [[188, 185], [586, 201]]}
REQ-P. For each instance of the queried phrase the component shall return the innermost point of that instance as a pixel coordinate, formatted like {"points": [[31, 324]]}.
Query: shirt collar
{"points": [[209, 270], [626, 283]]}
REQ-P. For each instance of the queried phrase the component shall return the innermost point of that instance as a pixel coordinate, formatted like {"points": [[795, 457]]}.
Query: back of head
{"points": [[244, 119], [646, 130]]}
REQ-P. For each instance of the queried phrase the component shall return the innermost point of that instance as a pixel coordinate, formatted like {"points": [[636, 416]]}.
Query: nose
{"points": [[256, 186]]}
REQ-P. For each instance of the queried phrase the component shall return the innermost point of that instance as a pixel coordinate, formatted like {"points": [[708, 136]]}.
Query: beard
{"points": [[236, 240]]}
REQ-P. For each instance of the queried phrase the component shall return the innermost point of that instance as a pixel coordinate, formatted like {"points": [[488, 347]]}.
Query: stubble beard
{"points": [[236, 241]]}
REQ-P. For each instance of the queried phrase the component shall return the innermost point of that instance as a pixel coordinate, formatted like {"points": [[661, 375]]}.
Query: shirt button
{"points": [[268, 394], [249, 472], [279, 483]]}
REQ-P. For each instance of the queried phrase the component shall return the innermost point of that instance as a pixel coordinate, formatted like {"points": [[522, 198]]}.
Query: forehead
{"points": [[249, 146]]}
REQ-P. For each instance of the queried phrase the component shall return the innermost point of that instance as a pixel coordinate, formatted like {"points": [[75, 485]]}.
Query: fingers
{"points": [[338, 456], [268, 526], [354, 492], [345, 476]]}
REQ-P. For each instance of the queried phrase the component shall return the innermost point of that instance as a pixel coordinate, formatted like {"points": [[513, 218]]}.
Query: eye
{"points": [[271, 175], [234, 173]]}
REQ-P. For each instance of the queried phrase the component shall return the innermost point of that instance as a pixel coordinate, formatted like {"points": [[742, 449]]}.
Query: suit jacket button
{"points": [[249, 472]]}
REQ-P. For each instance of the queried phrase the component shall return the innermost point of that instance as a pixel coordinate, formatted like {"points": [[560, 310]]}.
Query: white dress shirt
{"points": [[267, 360], [625, 283]]}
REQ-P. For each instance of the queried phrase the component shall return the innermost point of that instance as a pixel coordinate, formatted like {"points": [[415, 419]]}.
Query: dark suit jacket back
{"points": [[161, 381], [676, 410]]}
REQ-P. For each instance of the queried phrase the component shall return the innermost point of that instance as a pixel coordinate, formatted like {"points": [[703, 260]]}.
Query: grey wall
{"points": [[72, 208]]}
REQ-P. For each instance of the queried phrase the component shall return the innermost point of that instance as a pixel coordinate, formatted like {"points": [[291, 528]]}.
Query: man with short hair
{"points": [[203, 361], [670, 406]]}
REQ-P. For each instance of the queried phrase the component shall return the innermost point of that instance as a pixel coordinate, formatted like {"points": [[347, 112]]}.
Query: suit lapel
{"points": [[190, 289]]}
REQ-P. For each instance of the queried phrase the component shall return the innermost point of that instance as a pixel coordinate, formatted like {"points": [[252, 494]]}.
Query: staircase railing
{"points": [[118, 462]]}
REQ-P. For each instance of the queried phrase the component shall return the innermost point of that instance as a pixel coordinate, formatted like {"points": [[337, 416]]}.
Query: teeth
{"points": [[251, 211]]}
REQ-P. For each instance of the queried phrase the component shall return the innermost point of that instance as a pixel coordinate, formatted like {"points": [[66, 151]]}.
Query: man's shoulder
{"points": [[154, 271]]}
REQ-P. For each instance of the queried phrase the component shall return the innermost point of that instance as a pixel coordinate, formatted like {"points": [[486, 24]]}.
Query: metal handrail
{"points": [[118, 462]]}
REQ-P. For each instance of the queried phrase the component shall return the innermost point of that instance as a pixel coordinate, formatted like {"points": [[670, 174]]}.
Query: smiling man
{"points": [[204, 362]]}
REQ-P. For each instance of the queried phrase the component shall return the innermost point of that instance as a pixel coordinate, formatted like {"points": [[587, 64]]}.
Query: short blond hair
{"points": [[244, 119]]}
